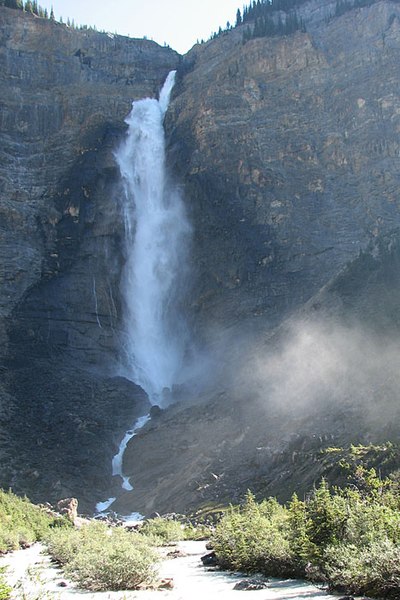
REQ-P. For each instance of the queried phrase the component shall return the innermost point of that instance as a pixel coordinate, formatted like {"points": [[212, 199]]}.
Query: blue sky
{"points": [[178, 23]]}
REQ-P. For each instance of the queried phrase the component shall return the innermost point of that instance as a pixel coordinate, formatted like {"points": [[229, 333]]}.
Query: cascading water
{"points": [[156, 247], [157, 237]]}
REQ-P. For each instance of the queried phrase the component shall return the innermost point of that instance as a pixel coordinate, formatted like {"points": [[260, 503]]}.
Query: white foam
{"points": [[101, 507]]}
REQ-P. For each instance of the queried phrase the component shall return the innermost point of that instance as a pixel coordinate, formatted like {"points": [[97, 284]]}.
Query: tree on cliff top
{"points": [[12, 4]]}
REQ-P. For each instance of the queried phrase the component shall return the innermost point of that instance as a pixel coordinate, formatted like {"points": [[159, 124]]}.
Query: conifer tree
{"points": [[12, 4], [238, 18]]}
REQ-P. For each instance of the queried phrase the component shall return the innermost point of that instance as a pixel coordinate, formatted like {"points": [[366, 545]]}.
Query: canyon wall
{"points": [[64, 96], [287, 150]]}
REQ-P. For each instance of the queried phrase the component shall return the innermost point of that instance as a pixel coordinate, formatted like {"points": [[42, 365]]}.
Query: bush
{"points": [[196, 532], [23, 523], [163, 531], [5, 589], [99, 558], [253, 539], [373, 570], [349, 538]]}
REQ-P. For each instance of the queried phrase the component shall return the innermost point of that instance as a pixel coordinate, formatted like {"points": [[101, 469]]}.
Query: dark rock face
{"points": [[289, 151], [64, 95]]}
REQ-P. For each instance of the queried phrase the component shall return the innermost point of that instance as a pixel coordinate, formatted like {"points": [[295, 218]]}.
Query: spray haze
{"points": [[156, 248], [319, 365]]}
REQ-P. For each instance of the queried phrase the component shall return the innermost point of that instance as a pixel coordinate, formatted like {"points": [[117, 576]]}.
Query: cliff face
{"points": [[288, 149], [64, 95]]}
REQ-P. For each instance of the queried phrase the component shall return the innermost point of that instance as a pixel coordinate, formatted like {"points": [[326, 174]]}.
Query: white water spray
{"points": [[157, 236]]}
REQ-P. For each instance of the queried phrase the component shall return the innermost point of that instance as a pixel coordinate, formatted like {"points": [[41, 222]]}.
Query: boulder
{"points": [[247, 585], [69, 508]]}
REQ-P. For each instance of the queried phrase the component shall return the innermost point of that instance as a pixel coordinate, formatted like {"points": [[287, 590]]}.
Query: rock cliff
{"points": [[288, 151], [64, 95]]}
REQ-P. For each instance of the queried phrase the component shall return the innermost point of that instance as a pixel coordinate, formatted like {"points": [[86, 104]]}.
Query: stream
{"points": [[34, 577]]}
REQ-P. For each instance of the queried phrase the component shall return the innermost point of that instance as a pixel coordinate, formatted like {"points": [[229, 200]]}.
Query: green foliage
{"points": [[373, 570], [163, 531], [22, 523], [267, 20], [198, 532], [100, 558], [5, 590], [349, 538], [252, 538], [12, 4]]}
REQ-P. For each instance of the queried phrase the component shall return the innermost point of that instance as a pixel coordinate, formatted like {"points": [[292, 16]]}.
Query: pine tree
{"points": [[12, 4], [52, 17], [238, 18]]}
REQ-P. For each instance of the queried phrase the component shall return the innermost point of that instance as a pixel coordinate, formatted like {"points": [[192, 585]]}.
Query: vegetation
{"points": [[29, 6], [22, 523], [101, 558], [5, 589], [32, 7], [163, 531], [348, 538]]}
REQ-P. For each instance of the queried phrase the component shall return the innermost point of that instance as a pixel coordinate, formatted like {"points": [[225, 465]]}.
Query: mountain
{"points": [[287, 149]]}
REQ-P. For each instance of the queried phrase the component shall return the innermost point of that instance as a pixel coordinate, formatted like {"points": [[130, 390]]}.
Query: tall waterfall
{"points": [[157, 239]]}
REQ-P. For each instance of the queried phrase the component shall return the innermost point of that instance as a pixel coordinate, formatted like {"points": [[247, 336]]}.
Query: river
{"points": [[34, 577]]}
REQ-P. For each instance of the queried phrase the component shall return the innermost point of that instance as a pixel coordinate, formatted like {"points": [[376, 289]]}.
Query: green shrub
{"points": [[22, 523], [253, 539], [163, 531], [373, 570], [5, 589], [99, 558], [349, 538], [196, 532]]}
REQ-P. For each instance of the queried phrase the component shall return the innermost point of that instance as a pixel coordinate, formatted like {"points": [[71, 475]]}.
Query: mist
{"points": [[313, 367]]}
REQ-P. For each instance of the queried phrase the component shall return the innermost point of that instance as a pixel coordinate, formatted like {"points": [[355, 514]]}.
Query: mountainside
{"points": [[288, 151], [289, 148], [64, 97]]}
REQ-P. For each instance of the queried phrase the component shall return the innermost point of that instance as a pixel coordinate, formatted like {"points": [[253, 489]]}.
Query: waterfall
{"points": [[156, 247]]}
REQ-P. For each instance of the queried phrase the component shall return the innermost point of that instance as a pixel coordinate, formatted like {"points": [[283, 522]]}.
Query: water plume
{"points": [[156, 250]]}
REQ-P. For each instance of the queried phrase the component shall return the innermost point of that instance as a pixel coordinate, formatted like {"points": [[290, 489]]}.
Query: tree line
{"points": [[266, 18], [32, 7]]}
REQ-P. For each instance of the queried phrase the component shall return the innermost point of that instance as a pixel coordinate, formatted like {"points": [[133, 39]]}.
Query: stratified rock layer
{"points": [[289, 148], [64, 95]]}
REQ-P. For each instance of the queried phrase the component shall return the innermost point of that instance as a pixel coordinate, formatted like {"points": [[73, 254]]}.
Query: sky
{"points": [[178, 23]]}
